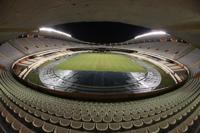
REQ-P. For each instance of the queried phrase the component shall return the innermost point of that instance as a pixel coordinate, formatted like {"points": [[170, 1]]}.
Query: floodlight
{"points": [[47, 29], [151, 33]]}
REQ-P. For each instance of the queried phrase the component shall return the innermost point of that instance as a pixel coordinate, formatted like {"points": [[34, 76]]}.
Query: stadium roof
{"points": [[180, 18]]}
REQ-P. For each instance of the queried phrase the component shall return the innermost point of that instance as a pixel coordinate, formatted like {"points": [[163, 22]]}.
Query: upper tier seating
{"points": [[8, 54], [192, 60], [8, 51], [171, 50], [15, 49], [32, 45]]}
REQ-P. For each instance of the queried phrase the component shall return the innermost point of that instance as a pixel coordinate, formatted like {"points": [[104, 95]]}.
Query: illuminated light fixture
{"points": [[151, 33], [55, 31]]}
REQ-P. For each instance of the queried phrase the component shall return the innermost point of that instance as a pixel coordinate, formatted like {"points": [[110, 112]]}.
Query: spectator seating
{"points": [[25, 110], [171, 50], [192, 60]]}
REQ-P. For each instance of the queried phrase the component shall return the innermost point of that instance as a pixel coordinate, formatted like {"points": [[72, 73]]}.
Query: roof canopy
{"points": [[180, 18]]}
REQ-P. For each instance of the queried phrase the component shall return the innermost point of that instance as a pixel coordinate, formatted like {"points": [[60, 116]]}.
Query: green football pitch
{"points": [[100, 62]]}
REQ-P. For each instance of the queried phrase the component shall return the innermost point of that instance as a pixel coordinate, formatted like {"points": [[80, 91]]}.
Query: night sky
{"points": [[102, 32]]}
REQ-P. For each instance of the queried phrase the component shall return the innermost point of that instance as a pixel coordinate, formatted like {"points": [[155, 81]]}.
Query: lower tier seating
{"points": [[25, 110]]}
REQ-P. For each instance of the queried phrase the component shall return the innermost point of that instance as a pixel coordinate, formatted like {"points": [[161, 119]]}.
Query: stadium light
{"points": [[151, 33], [55, 31]]}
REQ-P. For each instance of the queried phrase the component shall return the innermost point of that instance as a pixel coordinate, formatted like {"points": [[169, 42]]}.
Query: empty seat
{"points": [[88, 126]]}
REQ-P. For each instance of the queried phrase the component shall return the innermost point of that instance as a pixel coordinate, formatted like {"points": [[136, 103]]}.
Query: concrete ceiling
{"points": [[178, 17]]}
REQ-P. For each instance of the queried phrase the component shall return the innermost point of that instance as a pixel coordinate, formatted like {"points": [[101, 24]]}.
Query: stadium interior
{"points": [[55, 80]]}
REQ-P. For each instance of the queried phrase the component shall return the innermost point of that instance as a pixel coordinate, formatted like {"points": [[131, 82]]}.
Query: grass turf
{"points": [[166, 79], [33, 77], [101, 62]]}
